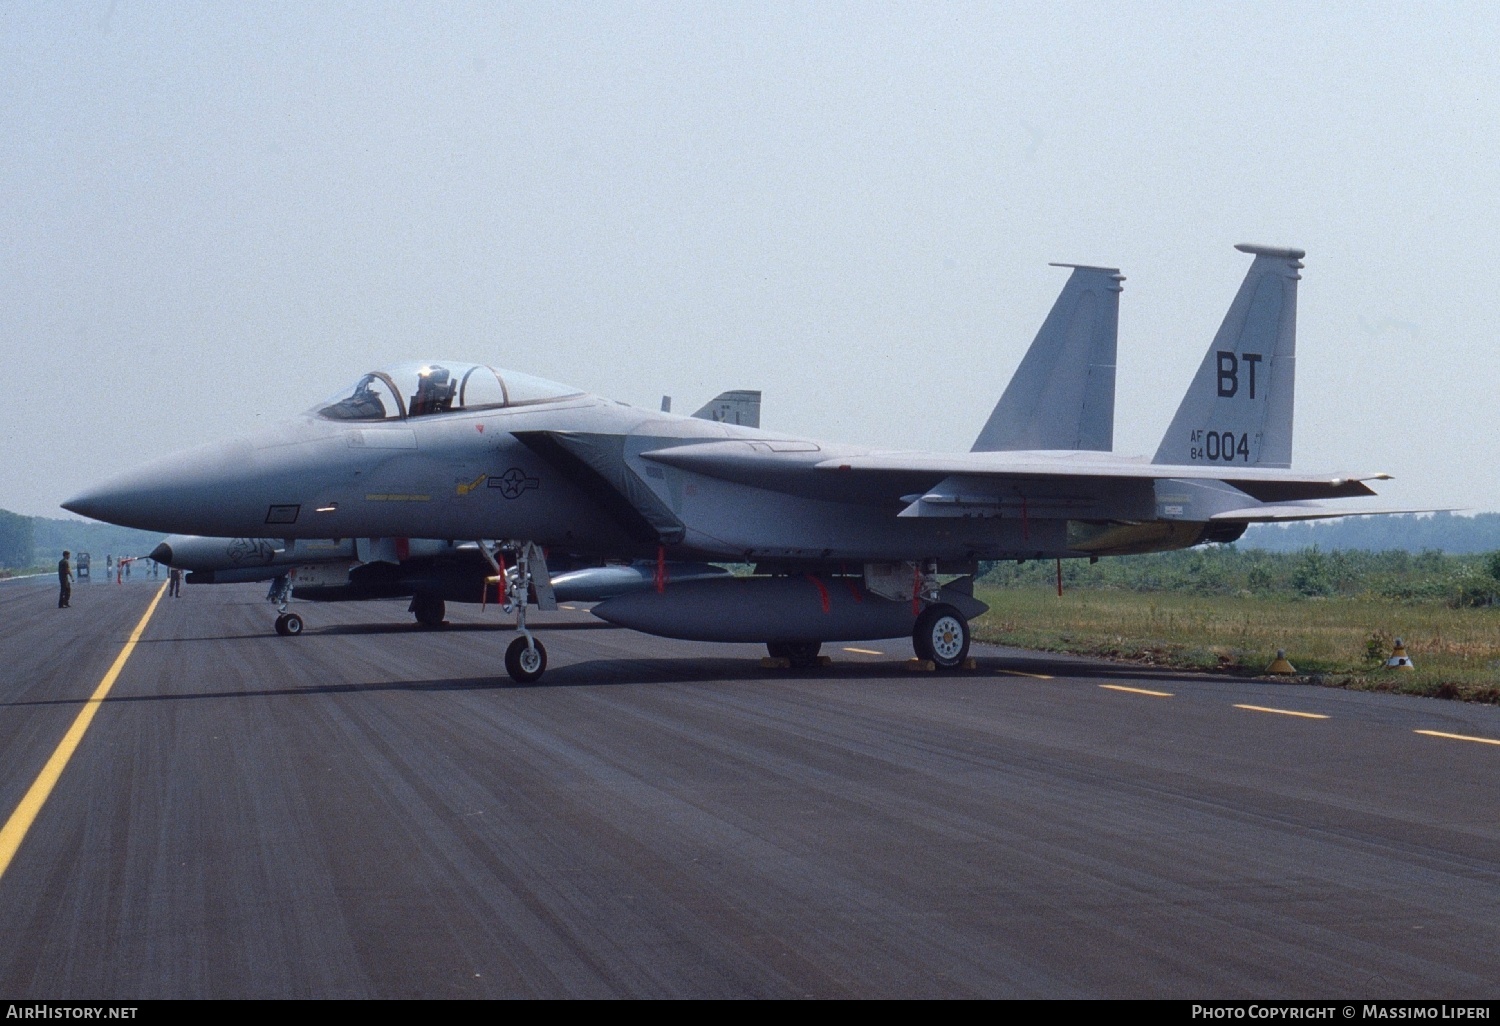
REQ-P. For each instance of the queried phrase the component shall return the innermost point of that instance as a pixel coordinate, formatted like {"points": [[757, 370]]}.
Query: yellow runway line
{"points": [[1282, 712], [1458, 737], [864, 651], [1137, 691], [14, 831], [1019, 673]]}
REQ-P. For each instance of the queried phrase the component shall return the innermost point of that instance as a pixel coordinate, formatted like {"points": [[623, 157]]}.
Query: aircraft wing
{"points": [[779, 464], [1266, 484]]}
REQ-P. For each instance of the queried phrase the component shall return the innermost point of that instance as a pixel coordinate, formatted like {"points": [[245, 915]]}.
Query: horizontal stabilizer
{"points": [[1294, 490], [1308, 511]]}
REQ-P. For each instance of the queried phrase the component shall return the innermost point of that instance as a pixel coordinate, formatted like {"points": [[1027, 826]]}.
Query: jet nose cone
{"points": [[93, 503], [180, 493], [120, 500], [162, 553]]}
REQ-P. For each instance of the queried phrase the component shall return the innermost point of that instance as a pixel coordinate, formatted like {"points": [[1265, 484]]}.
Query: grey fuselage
{"points": [[560, 473]]}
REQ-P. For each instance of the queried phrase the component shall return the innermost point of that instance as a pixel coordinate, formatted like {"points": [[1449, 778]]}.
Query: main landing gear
{"points": [[890, 599], [289, 625], [525, 657], [941, 636]]}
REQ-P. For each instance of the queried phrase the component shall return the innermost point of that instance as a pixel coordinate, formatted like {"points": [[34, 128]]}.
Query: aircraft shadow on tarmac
{"points": [[590, 674], [376, 629], [449, 627]]}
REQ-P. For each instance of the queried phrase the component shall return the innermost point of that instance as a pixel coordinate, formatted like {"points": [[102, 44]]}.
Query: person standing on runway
{"points": [[174, 582], [64, 581]]}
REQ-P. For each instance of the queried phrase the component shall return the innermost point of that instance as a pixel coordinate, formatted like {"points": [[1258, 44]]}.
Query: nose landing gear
{"points": [[288, 625], [525, 657]]}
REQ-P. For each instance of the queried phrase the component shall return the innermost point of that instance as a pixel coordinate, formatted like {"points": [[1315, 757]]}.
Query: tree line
{"points": [[32, 542], [1445, 532], [1459, 580]]}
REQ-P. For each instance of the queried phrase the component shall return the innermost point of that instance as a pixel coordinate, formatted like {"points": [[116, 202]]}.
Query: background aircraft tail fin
{"points": [[1063, 394], [1238, 410], [740, 406]]}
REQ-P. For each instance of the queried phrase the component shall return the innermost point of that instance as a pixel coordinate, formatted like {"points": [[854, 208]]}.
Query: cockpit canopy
{"points": [[422, 389]]}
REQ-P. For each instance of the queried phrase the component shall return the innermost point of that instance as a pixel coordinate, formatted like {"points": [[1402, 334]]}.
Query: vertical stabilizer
{"points": [[1063, 393], [1238, 410], [741, 406]]}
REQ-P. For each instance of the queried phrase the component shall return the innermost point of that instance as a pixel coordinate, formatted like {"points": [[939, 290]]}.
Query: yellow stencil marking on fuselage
{"points": [[465, 489], [14, 831]]}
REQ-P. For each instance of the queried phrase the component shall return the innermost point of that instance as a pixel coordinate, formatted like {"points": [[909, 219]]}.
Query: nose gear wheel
{"points": [[525, 660]]}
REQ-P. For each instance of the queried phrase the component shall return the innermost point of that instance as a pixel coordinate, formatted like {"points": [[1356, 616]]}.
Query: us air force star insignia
{"points": [[513, 482]]}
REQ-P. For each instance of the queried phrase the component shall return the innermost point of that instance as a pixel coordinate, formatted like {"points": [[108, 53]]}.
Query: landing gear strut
{"points": [[288, 625], [525, 658], [942, 636]]}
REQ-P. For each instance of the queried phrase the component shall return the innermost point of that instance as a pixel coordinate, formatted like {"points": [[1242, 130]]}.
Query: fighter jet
{"points": [[848, 542], [1061, 397]]}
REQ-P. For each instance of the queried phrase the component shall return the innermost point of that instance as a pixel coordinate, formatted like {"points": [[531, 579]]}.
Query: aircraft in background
{"points": [[849, 543]]}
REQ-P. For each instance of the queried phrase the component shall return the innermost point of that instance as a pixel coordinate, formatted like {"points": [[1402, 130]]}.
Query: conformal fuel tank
{"points": [[802, 608]]}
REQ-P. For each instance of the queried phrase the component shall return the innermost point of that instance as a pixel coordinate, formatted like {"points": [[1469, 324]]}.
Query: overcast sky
{"points": [[214, 215]]}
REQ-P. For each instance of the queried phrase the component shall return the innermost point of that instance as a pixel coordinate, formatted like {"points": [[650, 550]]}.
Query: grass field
{"points": [[1338, 642]]}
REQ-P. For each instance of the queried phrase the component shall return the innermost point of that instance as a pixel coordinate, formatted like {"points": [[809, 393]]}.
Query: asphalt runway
{"points": [[372, 810]]}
